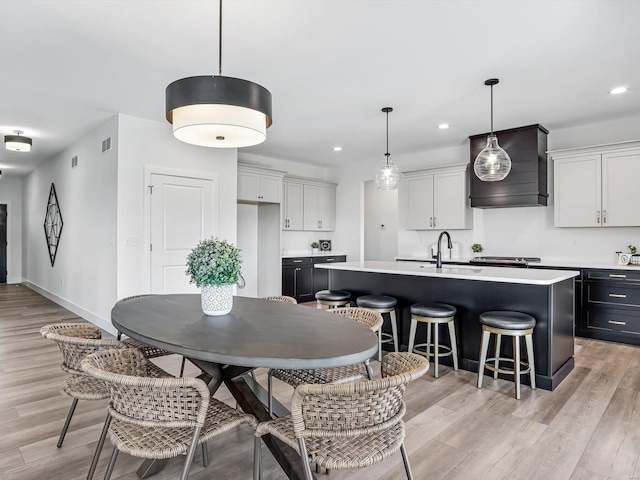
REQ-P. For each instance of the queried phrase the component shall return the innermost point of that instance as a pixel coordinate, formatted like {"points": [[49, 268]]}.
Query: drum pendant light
{"points": [[387, 175], [492, 164], [17, 142], [217, 111]]}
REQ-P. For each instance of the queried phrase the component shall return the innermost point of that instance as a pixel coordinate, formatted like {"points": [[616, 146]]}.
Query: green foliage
{"points": [[214, 262], [477, 248], [315, 245], [632, 249]]}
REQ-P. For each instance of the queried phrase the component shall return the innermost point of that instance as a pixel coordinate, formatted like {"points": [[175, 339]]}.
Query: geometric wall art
{"points": [[52, 224]]}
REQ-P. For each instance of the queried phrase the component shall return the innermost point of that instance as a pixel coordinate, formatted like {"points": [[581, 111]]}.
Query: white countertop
{"points": [[463, 272], [545, 263], [319, 254]]}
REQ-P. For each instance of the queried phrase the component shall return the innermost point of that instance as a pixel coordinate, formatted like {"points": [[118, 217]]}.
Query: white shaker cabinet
{"points": [[309, 205], [438, 199], [597, 186], [293, 202], [256, 185]]}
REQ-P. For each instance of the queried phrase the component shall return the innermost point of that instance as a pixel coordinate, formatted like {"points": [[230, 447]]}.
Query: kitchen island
{"points": [[547, 295]]}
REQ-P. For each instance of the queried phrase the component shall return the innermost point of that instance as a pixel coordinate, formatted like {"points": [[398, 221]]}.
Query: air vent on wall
{"points": [[106, 145], [74, 161]]}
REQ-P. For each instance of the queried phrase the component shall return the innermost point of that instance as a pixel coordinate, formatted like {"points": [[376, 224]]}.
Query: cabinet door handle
{"points": [[616, 275], [604, 216], [616, 322], [434, 221], [598, 216], [617, 295], [320, 223], [431, 221], [330, 260], [297, 261]]}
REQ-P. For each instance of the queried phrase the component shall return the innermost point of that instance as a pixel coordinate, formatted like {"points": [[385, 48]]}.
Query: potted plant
{"points": [[314, 247], [635, 258], [476, 248], [214, 266]]}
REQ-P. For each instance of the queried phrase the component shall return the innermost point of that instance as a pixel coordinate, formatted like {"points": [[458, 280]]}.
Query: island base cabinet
{"points": [[551, 305]]}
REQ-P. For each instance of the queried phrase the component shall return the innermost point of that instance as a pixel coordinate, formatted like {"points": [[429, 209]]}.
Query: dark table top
{"points": [[257, 332]]}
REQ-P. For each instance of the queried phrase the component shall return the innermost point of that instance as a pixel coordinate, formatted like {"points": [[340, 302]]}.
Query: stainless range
{"points": [[504, 261]]}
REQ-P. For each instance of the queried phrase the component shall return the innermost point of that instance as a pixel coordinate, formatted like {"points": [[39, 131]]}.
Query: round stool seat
{"points": [[433, 310], [506, 320], [376, 301], [333, 295]]}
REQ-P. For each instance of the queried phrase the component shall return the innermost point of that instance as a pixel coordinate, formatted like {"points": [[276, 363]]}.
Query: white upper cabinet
{"points": [[292, 219], [259, 185], [597, 186], [438, 199], [309, 205]]}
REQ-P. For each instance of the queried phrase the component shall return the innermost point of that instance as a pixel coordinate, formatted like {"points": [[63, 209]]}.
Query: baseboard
{"points": [[97, 320]]}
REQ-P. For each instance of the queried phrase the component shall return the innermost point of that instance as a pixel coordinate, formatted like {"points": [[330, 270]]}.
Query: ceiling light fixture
{"points": [[492, 164], [217, 111], [444, 126], [618, 90], [337, 149], [387, 175], [17, 142]]}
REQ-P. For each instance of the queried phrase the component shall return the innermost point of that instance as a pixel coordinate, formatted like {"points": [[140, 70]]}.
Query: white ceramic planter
{"points": [[217, 299]]}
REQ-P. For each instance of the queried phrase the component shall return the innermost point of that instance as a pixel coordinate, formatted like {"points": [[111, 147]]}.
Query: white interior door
{"points": [[182, 214]]}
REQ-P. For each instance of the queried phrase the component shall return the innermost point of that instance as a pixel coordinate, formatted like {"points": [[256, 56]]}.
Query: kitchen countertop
{"points": [[319, 254], [545, 263], [463, 272]]}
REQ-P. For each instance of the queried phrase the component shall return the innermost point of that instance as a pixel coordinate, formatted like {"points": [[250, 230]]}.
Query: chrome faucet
{"points": [[449, 245]]}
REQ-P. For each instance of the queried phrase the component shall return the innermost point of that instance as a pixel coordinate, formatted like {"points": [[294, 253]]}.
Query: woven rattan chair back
{"points": [[148, 402], [76, 341], [369, 318], [358, 408], [280, 298]]}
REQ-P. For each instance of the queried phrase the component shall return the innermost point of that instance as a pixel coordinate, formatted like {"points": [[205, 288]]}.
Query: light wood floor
{"points": [[589, 428]]}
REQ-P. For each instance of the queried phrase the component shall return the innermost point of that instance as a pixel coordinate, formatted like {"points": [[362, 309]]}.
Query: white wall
{"points": [[149, 143], [11, 195], [83, 278], [381, 208], [503, 231], [248, 243]]}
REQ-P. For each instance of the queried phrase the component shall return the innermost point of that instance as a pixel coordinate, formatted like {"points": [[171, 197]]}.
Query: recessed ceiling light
{"points": [[337, 149], [443, 126], [618, 90]]}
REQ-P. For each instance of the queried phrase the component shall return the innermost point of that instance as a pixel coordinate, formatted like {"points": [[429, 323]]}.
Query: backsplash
{"points": [[299, 243]]}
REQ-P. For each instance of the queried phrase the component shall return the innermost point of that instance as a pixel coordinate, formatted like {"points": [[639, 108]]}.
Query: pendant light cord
{"points": [[491, 104], [220, 42], [387, 155]]}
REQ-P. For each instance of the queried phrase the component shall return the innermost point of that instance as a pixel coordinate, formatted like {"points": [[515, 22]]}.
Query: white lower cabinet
{"points": [[438, 199], [597, 186]]}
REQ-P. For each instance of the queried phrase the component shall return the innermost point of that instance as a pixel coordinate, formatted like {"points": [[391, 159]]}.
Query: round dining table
{"points": [[256, 333]]}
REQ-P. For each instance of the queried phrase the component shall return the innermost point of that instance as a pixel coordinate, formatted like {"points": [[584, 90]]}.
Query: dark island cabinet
{"points": [[301, 280], [610, 306]]}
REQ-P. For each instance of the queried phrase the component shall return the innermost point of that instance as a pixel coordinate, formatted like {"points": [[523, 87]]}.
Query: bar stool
{"points": [[382, 304], [434, 314], [332, 298], [513, 324]]}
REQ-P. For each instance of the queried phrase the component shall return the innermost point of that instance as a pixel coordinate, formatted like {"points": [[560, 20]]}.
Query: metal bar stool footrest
{"points": [[424, 347], [526, 368]]}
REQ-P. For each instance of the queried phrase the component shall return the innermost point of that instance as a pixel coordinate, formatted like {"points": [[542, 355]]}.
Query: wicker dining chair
{"points": [[294, 377], [347, 425], [149, 351], [157, 418], [281, 298], [76, 341]]}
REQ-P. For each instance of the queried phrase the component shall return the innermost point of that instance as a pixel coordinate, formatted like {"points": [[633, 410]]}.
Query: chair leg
{"points": [[184, 359], [96, 455], [394, 329], [190, 453], [496, 363], [483, 356], [257, 459], [405, 459], [412, 334], [205, 454], [380, 344], [436, 350], [367, 365], [516, 364], [67, 422], [112, 463], [454, 344], [304, 457], [428, 341], [528, 339], [318, 305], [270, 392]]}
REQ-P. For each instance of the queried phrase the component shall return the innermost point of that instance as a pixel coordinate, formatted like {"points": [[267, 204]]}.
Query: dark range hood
{"points": [[526, 184]]}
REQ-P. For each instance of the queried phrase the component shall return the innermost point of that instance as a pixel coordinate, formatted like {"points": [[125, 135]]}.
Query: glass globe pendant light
{"points": [[492, 164], [387, 175]]}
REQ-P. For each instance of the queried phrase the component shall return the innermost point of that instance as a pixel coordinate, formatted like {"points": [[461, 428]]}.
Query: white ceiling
{"points": [[330, 65]]}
